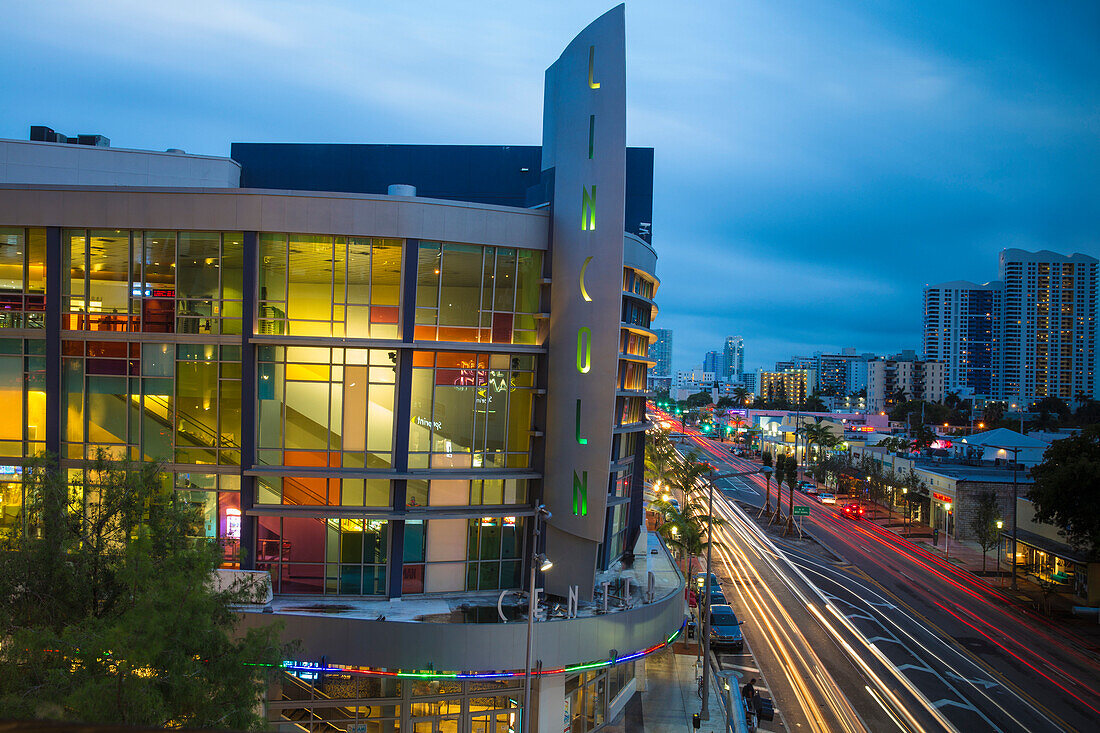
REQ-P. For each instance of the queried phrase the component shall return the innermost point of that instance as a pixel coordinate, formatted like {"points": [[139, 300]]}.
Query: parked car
{"points": [[701, 578], [808, 487], [826, 498], [853, 510], [674, 503], [725, 629], [717, 597]]}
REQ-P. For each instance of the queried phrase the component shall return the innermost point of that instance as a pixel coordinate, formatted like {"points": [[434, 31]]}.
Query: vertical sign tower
{"points": [[584, 154]]}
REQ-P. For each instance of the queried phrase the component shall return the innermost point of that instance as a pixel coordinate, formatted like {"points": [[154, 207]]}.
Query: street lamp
{"points": [[539, 563], [704, 713], [1015, 499], [947, 531], [1000, 524], [905, 498]]}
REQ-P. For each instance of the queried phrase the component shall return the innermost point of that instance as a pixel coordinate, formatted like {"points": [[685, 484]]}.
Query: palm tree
{"points": [[741, 395], [791, 476], [766, 459], [780, 473], [686, 530]]}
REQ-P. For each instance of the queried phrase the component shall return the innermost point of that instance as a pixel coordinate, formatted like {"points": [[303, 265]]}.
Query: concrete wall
{"points": [[24, 161], [230, 209]]}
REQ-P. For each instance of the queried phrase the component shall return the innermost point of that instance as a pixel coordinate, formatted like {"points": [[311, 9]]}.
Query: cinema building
{"points": [[368, 366]]}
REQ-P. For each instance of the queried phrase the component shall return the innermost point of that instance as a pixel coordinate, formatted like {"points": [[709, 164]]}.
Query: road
{"points": [[985, 662]]}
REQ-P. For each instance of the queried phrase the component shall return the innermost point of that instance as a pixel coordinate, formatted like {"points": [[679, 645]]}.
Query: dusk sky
{"points": [[816, 162]]}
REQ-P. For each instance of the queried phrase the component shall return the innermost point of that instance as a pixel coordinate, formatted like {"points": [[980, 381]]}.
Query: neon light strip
{"points": [[290, 665]]}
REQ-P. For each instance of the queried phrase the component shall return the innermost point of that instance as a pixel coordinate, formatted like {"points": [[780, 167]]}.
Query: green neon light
{"points": [[588, 209], [591, 135], [580, 440], [591, 63], [584, 355], [580, 494]]}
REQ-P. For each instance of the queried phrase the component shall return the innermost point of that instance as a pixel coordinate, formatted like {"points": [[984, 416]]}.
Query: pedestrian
{"points": [[748, 692]]}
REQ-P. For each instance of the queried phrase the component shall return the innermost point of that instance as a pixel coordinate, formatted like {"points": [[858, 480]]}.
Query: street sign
{"points": [[802, 511]]}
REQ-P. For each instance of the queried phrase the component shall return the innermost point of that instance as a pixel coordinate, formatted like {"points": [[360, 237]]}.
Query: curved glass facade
{"points": [[322, 439]]}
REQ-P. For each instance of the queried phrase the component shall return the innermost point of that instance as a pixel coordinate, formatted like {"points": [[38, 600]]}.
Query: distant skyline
{"points": [[816, 163]]}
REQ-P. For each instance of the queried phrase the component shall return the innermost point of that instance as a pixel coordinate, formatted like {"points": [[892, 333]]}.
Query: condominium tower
{"points": [[961, 323], [1048, 331]]}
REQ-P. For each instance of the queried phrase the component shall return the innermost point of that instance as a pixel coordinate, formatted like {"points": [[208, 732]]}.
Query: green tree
{"points": [[814, 403], [699, 399], [109, 612], [766, 460], [725, 402], [790, 475], [1066, 490], [741, 395], [983, 523]]}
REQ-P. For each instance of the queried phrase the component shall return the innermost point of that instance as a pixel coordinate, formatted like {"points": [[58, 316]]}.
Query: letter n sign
{"points": [[588, 209], [580, 494]]}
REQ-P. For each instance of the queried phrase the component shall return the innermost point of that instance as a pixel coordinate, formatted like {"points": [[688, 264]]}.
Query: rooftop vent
{"points": [[401, 189], [41, 133]]}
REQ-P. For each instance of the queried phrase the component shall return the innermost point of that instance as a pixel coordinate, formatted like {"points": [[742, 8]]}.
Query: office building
{"points": [[893, 380], [961, 321], [661, 352], [367, 368], [734, 353], [1047, 334]]}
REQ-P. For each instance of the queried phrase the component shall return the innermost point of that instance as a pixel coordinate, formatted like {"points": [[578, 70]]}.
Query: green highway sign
{"points": [[802, 511]]}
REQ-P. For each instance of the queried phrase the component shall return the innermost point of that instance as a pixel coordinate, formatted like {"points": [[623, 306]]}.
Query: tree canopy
{"points": [[1066, 491], [699, 399], [109, 612]]}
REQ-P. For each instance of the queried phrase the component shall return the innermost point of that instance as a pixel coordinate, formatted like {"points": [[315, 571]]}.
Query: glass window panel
{"points": [[528, 281], [380, 418], [505, 280], [309, 294], [427, 275], [197, 404], [11, 398], [460, 285], [108, 409], [109, 262], [160, 264], [273, 260], [73, 252], [12, 254], [157, 419], [420, 430], [385, 271], [157, 360], [232, 266], [307, 415], [36, 260]]}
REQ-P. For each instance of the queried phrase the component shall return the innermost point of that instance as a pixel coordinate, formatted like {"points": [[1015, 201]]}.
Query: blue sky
{"points": [[816, 162]]}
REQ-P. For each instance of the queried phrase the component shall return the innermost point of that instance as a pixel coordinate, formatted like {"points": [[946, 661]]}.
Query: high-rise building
{"points": [[375, 392], [892, 380], [961, 322], [734, 352], [832, 370], [792, 385], [661, 352], [715, 361], [1048, 332]]}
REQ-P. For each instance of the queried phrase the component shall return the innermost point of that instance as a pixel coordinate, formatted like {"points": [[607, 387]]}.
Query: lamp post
{"points": [[539, 562], [704, 712], [1015, 499], [905, 498], [1000, 524], [947, 531]]}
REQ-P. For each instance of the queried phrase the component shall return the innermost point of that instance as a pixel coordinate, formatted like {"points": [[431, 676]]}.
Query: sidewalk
{"points": [[670, 696]]}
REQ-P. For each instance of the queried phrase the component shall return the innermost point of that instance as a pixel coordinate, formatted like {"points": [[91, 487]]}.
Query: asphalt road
{"points": [[983, 661]]}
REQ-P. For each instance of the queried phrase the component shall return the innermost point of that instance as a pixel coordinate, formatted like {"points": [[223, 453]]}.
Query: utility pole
{"points": [[1015, 500], [704, 712]]}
